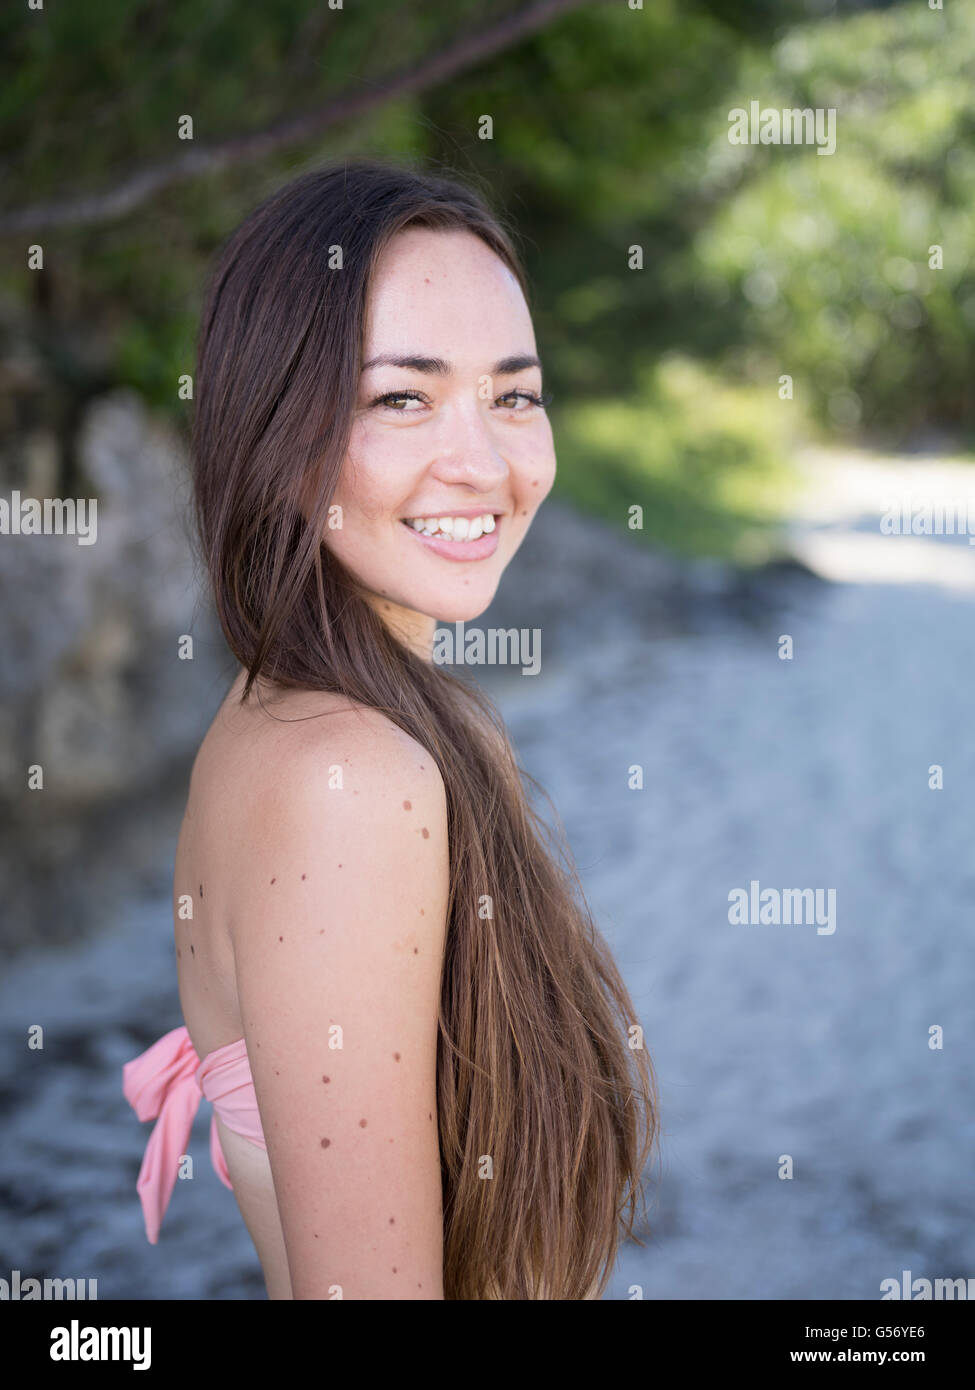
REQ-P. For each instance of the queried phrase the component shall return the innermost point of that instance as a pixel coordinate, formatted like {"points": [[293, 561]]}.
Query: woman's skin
{"points": [[314, 850]]}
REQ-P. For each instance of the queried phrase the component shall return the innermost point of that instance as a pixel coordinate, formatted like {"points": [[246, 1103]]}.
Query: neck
{"points": [[414, 630]]}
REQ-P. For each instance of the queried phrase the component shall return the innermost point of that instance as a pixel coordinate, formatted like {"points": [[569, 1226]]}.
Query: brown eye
{"points": [[391, 396], [534, 400]]}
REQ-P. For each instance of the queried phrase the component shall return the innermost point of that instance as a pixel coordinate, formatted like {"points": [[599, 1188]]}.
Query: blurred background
{"points": [[786, 360]]}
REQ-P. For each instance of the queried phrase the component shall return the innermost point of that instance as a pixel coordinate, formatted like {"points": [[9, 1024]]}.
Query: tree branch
{"points": [[467, 51]]}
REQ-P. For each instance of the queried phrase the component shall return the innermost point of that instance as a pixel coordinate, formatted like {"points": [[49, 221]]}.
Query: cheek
{"points": [[364, 491], [536, 476]]}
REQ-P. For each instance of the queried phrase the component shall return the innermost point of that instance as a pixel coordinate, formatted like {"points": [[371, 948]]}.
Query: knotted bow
{"points": [[162, 1084]]}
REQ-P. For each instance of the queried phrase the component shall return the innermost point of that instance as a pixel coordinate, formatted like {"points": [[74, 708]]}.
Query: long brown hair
{"points": [[540, 1057]]}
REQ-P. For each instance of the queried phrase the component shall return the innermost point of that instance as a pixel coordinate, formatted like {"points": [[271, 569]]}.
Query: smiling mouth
{"points": [[460, 530]]}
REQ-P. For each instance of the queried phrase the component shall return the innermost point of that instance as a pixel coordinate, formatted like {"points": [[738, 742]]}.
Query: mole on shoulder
{"points": [[363, 1123], [407, 806], [392, 1220], [425, 833], [304, 875], [179, 954], [325, 1143], [201, 890], [192, 949], [395, 1056], [325, 1079], [274, 880], [280, 938]]}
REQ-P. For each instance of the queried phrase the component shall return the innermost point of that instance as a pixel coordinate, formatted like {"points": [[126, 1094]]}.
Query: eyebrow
{"points": [[437, 366]]}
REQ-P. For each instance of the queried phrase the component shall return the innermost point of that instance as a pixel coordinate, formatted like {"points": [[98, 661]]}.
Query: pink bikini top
{"points": [[166, 1083]]}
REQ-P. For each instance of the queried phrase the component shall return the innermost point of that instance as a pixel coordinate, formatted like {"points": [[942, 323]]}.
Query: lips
{"points": [[460, 551]]}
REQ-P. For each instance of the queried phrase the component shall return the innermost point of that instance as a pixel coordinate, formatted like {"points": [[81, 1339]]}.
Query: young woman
{"points": [[427, 1074]]}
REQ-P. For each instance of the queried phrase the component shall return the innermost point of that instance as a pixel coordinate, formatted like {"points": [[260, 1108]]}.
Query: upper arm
{"points": [[338, 928]]}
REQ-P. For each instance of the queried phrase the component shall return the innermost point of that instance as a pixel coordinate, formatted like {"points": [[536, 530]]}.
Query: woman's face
{"points": [[446, 433]]}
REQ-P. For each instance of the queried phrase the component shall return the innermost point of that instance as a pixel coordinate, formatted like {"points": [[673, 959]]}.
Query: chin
{"points": [[453, 603], [464, 608], [462, 613]]}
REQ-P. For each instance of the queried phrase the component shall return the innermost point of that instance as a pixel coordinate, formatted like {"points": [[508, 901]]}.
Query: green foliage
{"points": [[824, 261], [705, 461], [610, 132]]}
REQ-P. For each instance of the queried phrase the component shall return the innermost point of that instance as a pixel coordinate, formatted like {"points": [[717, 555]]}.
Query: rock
{"points": [[92, 684]]}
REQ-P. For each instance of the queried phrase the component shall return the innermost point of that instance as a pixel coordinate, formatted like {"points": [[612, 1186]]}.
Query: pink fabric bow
{"points": [[162, 1085]]}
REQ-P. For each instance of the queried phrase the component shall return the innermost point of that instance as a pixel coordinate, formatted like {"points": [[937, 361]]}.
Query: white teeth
{"points": [[455, 528]]}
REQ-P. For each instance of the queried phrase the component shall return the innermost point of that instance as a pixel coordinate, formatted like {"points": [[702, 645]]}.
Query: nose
{"points": [[468, 451]]}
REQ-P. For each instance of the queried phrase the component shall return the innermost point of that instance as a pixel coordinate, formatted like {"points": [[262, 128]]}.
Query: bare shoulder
{"points": [[349, 791], [259, 765], [338, 915]]}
